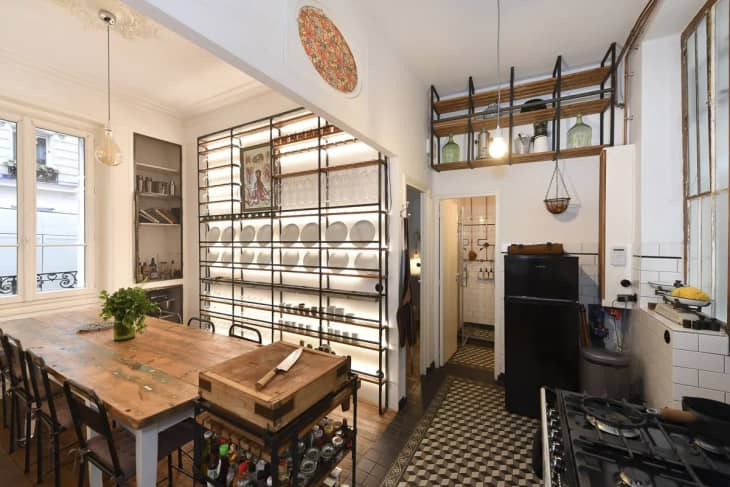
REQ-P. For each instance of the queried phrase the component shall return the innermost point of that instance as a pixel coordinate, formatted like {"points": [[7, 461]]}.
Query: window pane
{"points": [[703, 123], [721, 70], [60, 236], [721, 229], [693, 242], [691, 116], [8, 209]]}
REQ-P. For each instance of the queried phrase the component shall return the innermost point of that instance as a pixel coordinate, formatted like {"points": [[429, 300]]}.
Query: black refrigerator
{"points": [[541, 328]]}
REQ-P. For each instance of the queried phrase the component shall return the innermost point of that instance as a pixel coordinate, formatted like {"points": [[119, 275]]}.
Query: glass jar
{"points": [[450, 152], [579, 134]]}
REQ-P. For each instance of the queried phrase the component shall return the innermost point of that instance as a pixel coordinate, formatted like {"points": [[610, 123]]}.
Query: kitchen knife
{"points": [[283, 366]]}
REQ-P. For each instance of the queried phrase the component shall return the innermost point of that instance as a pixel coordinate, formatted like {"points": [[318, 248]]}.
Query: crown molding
{"points": [[122, 94]]}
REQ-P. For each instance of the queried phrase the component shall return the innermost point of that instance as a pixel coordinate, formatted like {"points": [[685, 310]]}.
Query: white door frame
{"points": [[437, 294]]}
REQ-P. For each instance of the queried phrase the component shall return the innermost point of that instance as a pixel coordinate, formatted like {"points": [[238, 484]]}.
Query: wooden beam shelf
{"points": [[460, 125], [530, 89], [592, 150]]}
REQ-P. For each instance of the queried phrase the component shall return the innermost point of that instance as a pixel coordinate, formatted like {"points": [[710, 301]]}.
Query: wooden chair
{"points": [[234, 332], [202, 323], [51, 411], [113, 451], [19, 391]]}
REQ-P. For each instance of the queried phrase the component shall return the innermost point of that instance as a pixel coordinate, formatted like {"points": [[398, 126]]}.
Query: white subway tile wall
{"points": [[658, 262]]}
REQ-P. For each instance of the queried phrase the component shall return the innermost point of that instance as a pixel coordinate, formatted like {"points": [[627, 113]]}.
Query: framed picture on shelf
{"points": [[256, 178]]}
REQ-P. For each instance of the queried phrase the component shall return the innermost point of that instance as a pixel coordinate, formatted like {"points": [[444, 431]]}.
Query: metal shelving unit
{"points": [[305, 149]]}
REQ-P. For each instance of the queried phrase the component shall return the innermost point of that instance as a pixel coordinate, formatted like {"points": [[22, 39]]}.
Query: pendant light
{"points": [[498, 146], [107, 151]]}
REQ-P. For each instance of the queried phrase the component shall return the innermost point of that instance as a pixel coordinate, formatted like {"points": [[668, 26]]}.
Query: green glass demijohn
{"points": [[579, 134], [450, 151]]}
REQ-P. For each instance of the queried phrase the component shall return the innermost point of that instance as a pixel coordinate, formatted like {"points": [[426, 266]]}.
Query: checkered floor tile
{"points": [[467, 438], [479, 332], [474, 356]]}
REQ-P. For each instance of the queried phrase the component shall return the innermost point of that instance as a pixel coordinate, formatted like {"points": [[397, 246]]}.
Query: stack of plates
{"points": [[213, 234], [290, 258], [366, 260], [309, 234], [264, 234], [248, 233], [336, 233], [290, 234], [362, 231], [338, 261]]}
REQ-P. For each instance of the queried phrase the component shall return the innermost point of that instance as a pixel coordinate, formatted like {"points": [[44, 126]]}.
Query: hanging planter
{"points": [[557, 198]]}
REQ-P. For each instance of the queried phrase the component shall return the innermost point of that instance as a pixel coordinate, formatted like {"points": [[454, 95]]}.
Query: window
{"points": [[705, 102], [42, 194]]}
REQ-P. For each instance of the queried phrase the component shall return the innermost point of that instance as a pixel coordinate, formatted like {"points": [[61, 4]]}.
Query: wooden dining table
{"points": [[148, 383]]}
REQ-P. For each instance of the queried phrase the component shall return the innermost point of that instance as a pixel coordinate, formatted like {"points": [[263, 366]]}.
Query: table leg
{"points": [[95, 478], [146, 456]]}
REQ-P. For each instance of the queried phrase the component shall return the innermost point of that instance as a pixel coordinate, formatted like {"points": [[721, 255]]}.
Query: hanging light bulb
{"points": [[107, 151], [498, 146]]}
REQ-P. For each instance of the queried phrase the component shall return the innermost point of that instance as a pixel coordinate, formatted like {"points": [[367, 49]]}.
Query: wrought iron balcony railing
{"points": [[47, 281]]}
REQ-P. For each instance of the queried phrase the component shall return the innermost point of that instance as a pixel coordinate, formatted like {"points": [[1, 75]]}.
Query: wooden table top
{"points": [[139, 380]]}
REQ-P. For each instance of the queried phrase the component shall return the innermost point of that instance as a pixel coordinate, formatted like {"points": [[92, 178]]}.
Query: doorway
{"points": [[468, 230]]}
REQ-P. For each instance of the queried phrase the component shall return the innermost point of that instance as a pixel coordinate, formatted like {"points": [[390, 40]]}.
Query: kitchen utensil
{"points": [[309, 234], [540, 143], [283, 366], [338, 261], [290, 258], [212, 234], [366, 260], [336, 233], [362, 231], [311, 259], [264, 233], [290, 234], [707, 420], [248, 233]]}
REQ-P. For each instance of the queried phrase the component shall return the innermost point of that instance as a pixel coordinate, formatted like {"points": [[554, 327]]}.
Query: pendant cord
{"points": [[108, 77], [499, 76]]}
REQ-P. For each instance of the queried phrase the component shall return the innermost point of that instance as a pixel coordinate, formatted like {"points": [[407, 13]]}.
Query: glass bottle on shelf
{"points": [[483, 152], [580, 134], [450, 151]]}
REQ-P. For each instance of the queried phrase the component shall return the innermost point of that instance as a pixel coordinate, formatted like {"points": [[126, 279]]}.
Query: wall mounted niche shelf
{"points": [[586, 92], [293, 238]]}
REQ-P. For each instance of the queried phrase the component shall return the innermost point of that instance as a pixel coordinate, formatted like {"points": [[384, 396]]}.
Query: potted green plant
{"points": [[128, 306]]}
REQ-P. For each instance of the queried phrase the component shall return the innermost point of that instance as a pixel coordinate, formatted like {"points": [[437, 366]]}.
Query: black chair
{"points": [[233, 331], [51, 411], [202, 323], [4, 382], [19, 391], [113, 451]]}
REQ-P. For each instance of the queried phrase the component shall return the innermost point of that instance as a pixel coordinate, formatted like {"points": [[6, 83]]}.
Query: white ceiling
{"points": [[445, 42], [156, 67]]}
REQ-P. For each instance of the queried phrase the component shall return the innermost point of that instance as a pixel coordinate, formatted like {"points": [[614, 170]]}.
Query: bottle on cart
{"points": [[205, 451], [232, 472], [214, 467], [223, 453], [241, 474], [153, 269]]}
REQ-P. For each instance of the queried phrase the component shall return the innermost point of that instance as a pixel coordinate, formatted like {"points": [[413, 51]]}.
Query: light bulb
{"points": [[497, 146], [107, 151]]}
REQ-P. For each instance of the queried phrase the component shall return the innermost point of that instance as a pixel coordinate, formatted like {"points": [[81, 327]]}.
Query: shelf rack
{"points": [[296, 134], [468, 114]]}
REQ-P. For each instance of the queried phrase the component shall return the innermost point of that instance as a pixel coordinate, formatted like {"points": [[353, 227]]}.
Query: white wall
{"points": [[69, 103], [522, 217], [389, 110]]}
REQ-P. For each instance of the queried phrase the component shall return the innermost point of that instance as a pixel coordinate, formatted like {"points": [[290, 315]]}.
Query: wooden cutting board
{"points": [[231, 385]]}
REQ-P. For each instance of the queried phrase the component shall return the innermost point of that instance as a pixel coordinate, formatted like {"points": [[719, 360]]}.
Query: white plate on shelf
{"points": [[264, 258], [248, 233], [290, 258], [226, 256], [213, 254], [248, 257], [310, 234], [338, 261], [213, 234], [311, 258], [336, 234], [290, 234], [227, 234], [362, 231], [366, 260], [264, 233]]}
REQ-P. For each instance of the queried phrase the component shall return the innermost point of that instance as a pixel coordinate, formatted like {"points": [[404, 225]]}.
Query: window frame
{"points": [[27, 121], [706, 14]]}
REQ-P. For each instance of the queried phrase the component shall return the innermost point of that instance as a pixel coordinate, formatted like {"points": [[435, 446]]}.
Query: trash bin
{"points": [[605, 373]]}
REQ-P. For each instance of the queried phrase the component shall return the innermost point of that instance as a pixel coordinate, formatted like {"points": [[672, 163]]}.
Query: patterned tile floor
{"points": [[479, 332], [467, 438], [474, 356]]}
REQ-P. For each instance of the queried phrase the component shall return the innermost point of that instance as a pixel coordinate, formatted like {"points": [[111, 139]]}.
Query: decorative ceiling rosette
{"points": [[327, 49]]}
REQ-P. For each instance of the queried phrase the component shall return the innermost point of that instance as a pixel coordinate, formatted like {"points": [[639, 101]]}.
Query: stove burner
{"points": [[708, 447], [633, 477], [612, 430], [613, 417]]}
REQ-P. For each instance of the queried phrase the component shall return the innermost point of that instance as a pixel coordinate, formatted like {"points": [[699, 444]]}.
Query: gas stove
{"points": [[597, 442]]}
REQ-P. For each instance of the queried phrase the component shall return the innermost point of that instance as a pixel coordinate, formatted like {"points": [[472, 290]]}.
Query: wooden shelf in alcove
{"points": [[591, 150]]}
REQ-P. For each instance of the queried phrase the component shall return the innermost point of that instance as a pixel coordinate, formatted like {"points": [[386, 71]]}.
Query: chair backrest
{"points": [[15, 358], [202, 323], [238, 330], [40, 383], [3, 361], [88, 411]]}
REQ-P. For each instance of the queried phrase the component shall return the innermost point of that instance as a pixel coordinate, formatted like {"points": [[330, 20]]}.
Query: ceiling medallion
{"points": [[327, 49], [130, 24]]}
